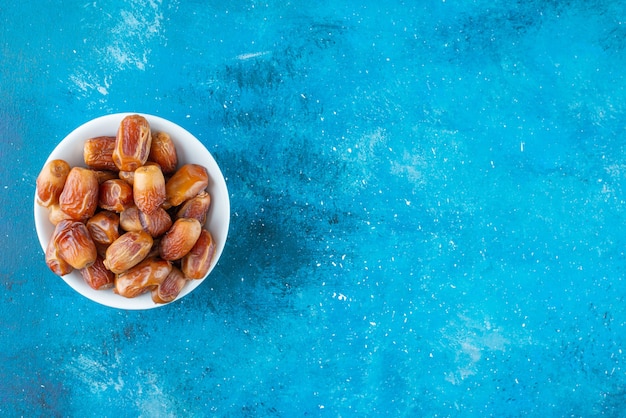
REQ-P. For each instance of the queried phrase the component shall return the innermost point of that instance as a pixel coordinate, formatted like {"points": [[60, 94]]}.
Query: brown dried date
{"points": [[179, 239], [163, 152], [104, 227], [79, 197], [115, 195], [132, 143], [74, 244], [56, 215], [196, 264], [197, 207], [129, 219], [156, 223], [170, 288], [186, 183], [98, 153], [50, 182], [54, 261], [127, 251], [149, 188], [142, 277], [97, 276]]}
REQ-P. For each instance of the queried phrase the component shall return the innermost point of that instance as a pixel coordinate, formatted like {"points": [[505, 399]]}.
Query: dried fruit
{"points": [[104, 175], [74, 244], [79, 197], [115, 195], [186, 183], [127, 176], [104, 227], [98, 153], [56, 215], [163, 152], [129, 220], [142, 277], [170, 288], [149, 188], [196, 264], [127, 251], [97, 276], [180, 238], [54, 261], [156, 223], [132, 143], [197, 207], [50, 182]]}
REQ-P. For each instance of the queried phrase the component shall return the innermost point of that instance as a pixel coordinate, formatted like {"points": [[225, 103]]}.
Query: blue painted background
{"points": [[427, 208]]}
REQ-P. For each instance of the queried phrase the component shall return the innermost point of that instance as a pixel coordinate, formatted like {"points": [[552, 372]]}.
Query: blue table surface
{"points": [[427, 208]]}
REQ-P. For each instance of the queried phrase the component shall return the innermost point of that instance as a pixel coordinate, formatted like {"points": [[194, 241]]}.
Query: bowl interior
{"points": [[190, 150]]}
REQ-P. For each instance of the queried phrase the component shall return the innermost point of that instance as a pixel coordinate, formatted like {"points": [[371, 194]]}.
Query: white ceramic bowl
{"points": [[189, 150]]}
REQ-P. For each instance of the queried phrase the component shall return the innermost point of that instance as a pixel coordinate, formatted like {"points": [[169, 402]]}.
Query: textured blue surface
{"points": [[427, 208]]}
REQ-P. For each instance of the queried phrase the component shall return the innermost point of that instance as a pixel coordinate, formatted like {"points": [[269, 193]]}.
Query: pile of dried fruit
{"points": [[131, 219]]}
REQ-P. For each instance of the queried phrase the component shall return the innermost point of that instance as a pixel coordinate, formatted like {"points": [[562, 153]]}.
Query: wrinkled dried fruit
{"points": [[180, 238], [79, 197], [156, 223], [127, 251], [197, 207], [104, 227], [98, 153], [163, 152], [132, 143], [54, 261], [186, 183], [149, 188], [127, 176], [196, 264], [170, 288], [74, 244], [104, 175], [115, 195], [56, 215], [97, 276], [129, 219], [142, 277], [50, 182]]}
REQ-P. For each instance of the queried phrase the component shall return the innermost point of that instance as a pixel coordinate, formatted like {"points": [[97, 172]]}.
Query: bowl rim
{"points": [[187, 145]]}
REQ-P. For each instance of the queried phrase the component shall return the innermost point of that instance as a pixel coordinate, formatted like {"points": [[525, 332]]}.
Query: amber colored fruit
{"points": [[127, 251], [186, 183], [50, 182], [149, 188], [115, 195], [56, 215], [156, 223], [104, 227], [127, 176], [197, 207], [104, 175], [163, 152], [98, 153], [132, 143], [129, 219], [54, 261], [79, 198], [97, 276], [74, 244], [170, 288], [143, 277], [179, 239], [196, 264]]}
